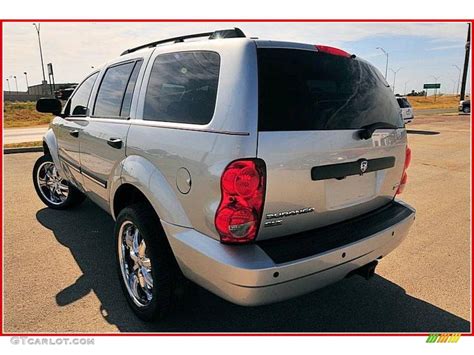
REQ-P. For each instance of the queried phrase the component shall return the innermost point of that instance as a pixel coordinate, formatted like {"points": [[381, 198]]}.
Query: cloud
{"points": [[441, 48]]}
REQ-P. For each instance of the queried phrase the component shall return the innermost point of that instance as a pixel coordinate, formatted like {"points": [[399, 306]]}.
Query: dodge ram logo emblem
{"points": [[363, 166]]}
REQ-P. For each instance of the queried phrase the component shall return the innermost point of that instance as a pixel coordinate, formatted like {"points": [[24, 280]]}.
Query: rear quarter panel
{"points": [[203, 154]]}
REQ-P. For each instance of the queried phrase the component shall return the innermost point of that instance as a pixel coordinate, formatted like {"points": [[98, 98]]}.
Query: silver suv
{"points": [[260, 170]]}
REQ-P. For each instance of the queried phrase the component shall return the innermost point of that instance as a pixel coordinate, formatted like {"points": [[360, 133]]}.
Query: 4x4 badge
{"points": [[364, 164]]}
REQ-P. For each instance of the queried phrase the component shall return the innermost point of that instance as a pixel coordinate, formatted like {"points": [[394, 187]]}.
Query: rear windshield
{"points": [[403, 103], [303, 90]]}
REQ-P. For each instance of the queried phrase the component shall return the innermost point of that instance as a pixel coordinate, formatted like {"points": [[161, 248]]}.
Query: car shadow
{"points": [[425, 133], [353, 305]]}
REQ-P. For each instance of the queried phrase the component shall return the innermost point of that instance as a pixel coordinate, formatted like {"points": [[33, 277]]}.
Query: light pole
{"points": [[436, 78], [37, 27], [454, 86], [27, 85], [8, 83], [386, 60], [394, 77], [16, 83], [406, 82], [459, 77]]}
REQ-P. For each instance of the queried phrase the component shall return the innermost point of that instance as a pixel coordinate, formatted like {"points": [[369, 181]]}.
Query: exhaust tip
{"points": [[367, 271]]}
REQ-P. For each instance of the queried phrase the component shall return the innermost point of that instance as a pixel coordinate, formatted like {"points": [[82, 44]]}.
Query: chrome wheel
{"points": [[135, 264], [51, 186]]}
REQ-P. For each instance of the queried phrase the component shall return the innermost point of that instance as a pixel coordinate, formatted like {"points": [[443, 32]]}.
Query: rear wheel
{"points": [[51, 188], [466, 109], [146, 265]]}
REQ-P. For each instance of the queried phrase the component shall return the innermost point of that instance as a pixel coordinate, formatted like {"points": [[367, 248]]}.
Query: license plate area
{"points": [[350, 191]]}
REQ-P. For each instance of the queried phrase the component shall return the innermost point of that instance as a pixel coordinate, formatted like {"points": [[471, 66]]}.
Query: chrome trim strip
{"points": [[81, 171], [71, 164], [95, 179], [157, 124], [183, 128]]}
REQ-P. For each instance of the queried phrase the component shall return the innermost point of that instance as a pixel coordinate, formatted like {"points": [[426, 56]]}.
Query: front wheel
{"points": [[466, 109], [52, 189]]}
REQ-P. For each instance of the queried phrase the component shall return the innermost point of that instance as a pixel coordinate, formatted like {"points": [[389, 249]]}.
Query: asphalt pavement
{"points": [[60, 274]]}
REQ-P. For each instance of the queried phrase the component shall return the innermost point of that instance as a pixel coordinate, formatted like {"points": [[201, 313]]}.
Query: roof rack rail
{"points": [[229, 33]]}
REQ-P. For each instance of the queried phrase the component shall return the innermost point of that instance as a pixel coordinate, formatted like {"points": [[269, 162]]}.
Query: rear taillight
{"points": [[332, 50], [240, 210], [404, 179]]}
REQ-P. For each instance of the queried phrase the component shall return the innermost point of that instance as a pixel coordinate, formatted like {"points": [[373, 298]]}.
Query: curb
{"points": [[22, 150]]}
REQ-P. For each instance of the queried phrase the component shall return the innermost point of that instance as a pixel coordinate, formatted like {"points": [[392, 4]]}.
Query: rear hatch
{"points": [[405, 108], [312, 106]]}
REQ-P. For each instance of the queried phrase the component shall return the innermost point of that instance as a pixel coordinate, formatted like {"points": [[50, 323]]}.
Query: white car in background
{"points": [[406, 109]]}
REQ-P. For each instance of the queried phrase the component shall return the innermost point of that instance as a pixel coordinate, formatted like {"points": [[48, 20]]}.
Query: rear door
{"points": [[312, 106], [104, 136]]}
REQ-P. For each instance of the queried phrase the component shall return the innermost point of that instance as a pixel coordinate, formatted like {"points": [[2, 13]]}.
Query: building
{"points": [[35, 92]]}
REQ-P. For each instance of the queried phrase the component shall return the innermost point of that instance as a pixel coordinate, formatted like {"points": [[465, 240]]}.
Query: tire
{"points": [[466, 109], [150, 294], [46, 179]]}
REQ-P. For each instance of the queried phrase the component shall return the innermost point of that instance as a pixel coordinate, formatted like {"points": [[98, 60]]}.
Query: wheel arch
{"points": [[127, 195], [50, 147], [141, 180]]}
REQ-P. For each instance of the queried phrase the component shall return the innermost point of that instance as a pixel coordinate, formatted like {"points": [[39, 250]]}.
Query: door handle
{"points": [[74, 133], [115, 143]]}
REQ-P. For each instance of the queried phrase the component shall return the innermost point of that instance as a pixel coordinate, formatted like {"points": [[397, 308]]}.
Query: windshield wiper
{"points": [[367, 131]]}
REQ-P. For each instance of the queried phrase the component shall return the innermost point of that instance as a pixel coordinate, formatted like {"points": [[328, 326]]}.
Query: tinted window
{"points": [[111, 92], [304, 90], [77, 106], [183, 87]]}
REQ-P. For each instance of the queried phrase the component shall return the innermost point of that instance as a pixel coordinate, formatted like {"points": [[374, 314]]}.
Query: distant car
{"points": [[64, 94], [465, 106], [406, 109]]}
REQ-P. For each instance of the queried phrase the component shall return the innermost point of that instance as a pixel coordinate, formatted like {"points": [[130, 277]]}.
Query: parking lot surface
{"points": [[60, 275]]}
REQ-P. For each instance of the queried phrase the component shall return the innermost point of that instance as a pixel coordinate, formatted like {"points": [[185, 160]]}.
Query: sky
{"points": [[421, 51]]}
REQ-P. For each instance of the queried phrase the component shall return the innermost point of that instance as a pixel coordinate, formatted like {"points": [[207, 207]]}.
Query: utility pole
{"points": [[459, 78], [27, 85], [386, 60], [16, 83], [394, 77], [8, 84], [466, 62], [37, 27]]}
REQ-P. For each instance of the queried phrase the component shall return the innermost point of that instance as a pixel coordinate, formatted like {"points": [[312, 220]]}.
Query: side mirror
{"points": [[46, 105]]}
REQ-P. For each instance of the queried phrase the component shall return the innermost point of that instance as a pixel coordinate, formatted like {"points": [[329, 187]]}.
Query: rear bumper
{"points": [[247, 275]]}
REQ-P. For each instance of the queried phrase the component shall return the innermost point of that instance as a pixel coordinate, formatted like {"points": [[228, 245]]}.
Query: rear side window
{"points": [[183, 87], [304, 90], [127, 99], [116, 89], [77, 105]]}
